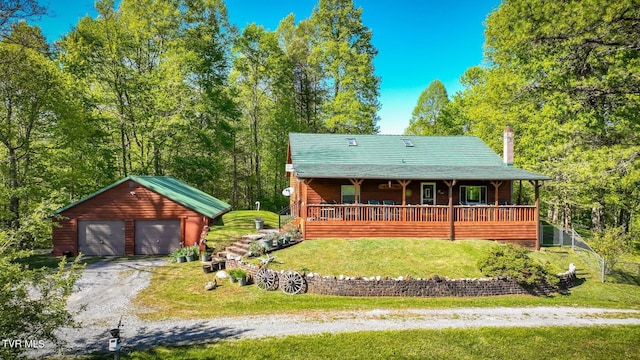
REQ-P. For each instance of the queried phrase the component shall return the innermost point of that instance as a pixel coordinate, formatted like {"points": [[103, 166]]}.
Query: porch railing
{"points": [[419, 213]]}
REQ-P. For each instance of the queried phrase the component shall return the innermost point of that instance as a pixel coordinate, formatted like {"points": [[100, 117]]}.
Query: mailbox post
{"points": [[114, 341]]}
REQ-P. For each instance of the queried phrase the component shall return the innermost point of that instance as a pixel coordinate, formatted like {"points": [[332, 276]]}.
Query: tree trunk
{"points": [[597, 217], [566, 216], [624, 218], [14, 183]]}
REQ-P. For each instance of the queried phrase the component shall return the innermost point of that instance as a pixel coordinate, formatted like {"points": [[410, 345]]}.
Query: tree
{"points": [[611, 244], [431, 104], [32, 301], [559, 73], [33, 102], [342, 49], [17, 10]]}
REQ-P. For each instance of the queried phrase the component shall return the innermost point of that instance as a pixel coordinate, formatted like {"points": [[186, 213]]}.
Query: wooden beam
{"points": [[537, 214], [404, 184], [496, 186], [357, 183], [450, 185]]}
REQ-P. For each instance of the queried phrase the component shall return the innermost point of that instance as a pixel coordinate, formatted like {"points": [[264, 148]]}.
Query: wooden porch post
{"points": [[404, 184], [536, 187], [357, 184], [303, 208], [496, 185], [537, 214], [450, 186]]}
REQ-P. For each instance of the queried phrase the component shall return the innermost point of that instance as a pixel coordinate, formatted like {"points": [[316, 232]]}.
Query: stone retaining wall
{"points": [[433, 287]]}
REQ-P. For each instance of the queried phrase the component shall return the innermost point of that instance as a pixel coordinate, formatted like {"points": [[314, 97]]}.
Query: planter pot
{"points": [[242, 281], [232, 279], [259, 224], [267, 244], [287, 239], [205, 257], [181, 259], [281, 242], [207, 269], [192, 257]]}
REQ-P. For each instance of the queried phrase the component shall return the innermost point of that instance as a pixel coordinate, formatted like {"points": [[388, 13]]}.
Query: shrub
{"points": [[611, 244], [256, 249], [237, 273], [513, 262]]}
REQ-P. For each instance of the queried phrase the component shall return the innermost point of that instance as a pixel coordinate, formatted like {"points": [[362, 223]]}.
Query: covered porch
{"points": [[442, 209]]}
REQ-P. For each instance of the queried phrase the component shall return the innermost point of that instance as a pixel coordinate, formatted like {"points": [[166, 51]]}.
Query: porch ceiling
{"points": [[411, 172]]}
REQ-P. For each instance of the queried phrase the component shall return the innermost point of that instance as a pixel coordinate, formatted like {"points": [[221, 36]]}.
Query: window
{"points": [[473, 194], [352, 142], [348, 194], [407, 142]]}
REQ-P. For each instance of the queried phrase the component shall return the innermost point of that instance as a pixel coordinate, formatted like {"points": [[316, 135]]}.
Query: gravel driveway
{"points": [[106, 288]]}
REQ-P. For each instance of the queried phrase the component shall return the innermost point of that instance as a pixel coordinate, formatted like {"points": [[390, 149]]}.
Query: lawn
{"points": [[612, 342], [176, 290], [42, 258], [385, 257], [235, 224]]}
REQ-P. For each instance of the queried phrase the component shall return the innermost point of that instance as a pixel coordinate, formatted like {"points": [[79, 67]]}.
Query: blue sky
{"points": [[417, 41]]}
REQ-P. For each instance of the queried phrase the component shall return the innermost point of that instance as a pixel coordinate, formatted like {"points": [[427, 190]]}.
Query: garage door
{"points": [[159, 237], [101, 237]]}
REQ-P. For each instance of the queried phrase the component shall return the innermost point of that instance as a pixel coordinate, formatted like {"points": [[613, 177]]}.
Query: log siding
{"points": [[128, 201]]}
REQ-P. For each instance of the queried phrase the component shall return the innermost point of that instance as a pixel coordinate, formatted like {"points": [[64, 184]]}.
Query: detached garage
{"points": [[138, 215]]}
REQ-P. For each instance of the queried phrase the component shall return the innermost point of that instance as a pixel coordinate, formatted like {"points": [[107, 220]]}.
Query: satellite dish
{"points": [[288, 191]]}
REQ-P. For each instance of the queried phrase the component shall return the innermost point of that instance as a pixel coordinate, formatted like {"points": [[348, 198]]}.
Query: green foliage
{"points": [[237, 273], [256, 249], [427, 118], [342, 49], [32, 301], [611, 244], [513, 262], [559, 74]]}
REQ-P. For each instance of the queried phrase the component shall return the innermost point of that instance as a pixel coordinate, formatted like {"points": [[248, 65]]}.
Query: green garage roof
{"points": [[399, 157], [173, 189]]}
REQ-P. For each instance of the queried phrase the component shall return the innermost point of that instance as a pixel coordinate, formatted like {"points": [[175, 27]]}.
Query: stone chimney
{"points": [[507, 150]]}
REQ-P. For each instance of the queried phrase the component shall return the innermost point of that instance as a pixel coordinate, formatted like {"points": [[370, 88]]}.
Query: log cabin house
{"points": [[451, 187], [137, 215]]}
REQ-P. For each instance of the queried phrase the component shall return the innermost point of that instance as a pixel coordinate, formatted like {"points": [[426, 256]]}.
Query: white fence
{"points": [[557, 236]]}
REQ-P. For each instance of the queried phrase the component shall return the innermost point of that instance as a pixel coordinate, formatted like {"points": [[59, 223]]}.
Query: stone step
{"points": [[244, 241], [242, 245], [236, 250], [252, 237]]}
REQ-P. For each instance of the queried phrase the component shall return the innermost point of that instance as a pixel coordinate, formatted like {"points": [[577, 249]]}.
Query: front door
{"points": [[428, 193]]}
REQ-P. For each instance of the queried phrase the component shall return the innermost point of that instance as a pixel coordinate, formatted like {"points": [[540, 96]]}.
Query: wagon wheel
{"points": [[267, 279], [292, 283]]}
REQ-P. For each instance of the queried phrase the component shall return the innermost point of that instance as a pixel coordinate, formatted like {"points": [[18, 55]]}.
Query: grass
{"points": [[419, 258], [177, 291], [42, 258], [235, 224], [610, 342]]}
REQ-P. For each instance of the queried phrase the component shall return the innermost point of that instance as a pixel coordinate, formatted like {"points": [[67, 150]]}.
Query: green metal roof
{"points": [[173, 189], [388, 157]]}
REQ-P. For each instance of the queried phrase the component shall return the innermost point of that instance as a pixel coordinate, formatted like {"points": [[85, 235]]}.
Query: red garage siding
{"points": [[128, 201]]}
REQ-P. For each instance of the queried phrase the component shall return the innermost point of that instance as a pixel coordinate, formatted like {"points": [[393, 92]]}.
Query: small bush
{"points": [[256, 249], [611, 244], [513, 262]]}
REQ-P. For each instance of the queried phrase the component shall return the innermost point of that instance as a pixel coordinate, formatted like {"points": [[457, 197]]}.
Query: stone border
{"points": [[432, 287]]}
